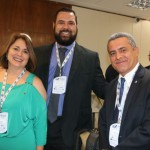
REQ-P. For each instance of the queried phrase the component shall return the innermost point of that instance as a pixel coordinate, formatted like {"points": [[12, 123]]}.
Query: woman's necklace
{"points": [[3, 93]]}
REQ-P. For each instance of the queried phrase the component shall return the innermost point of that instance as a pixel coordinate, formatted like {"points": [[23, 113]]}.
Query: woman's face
{"points": [[18, 54]]}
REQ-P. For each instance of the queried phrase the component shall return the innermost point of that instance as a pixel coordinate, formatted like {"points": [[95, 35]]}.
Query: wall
{"points": [[95, 27], [33, 17]]}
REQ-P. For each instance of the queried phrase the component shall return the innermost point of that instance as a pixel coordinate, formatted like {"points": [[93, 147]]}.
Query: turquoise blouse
{"points": [[27, 118]]}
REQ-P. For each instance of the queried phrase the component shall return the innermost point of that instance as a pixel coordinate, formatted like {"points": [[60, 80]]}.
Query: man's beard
{"points": [[64, 42]]}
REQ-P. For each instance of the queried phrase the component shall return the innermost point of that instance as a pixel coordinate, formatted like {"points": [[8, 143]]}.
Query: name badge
{"points": [[114, 134], [59, 85], [3, 122]]}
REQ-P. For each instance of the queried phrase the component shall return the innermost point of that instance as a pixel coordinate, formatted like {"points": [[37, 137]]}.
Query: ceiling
{"points": [[113, 6]]}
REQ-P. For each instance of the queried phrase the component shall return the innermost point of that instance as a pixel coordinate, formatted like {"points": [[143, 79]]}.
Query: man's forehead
{"points": [[64, 15]]}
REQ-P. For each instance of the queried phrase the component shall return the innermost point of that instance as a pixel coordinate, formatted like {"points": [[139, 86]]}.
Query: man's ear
{"points": [[137, 50]]}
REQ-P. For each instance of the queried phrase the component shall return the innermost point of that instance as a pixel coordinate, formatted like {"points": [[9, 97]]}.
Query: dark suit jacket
{"points": [[135, 125], [85, 76], [147, 67], [110, 73]]}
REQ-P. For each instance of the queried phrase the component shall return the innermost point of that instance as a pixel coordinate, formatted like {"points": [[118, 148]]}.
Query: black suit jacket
{"points": [[135, 125], [110, 73], [85, 76], [147, 67]]}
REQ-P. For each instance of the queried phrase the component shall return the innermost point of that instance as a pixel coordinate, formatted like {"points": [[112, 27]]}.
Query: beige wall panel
{"points": [[95, 27], [145, 43]]}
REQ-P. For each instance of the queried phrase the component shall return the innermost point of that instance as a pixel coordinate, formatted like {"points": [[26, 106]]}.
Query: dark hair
{"points": [[65, 9], [31, 65]]}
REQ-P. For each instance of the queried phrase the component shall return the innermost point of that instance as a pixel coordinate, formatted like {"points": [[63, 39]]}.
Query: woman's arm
{"points": [[39, 86], [40, 148]]}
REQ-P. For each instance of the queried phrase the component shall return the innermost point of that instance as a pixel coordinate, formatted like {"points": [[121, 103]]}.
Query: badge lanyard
{"points": [[118, 104], [3, 94], [115, 127], [121, 105], [66, 58]]}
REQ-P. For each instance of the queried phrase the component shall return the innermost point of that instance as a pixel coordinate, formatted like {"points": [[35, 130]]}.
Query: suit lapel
{"points": [[135, 84], [77, 57], [112, 100], [46, 65]]}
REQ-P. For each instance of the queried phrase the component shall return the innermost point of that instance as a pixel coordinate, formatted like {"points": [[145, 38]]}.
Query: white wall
{"points": [[95, 27]]}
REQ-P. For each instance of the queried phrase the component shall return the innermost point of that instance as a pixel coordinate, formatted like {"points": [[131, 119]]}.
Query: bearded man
{"points": [[69, 73]]}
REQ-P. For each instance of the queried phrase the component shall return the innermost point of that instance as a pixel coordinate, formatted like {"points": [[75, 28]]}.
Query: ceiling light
{"points": [[140, 4]]}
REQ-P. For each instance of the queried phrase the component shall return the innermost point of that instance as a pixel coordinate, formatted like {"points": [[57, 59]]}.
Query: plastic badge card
{"points": [[59, 85], [3, 122], [114, 134]]}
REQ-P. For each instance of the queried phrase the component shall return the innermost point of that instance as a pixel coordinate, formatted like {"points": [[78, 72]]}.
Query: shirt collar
{"points": [[130, 75], [68, 47]]}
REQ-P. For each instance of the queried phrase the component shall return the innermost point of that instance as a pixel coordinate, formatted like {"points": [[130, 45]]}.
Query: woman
{"points": [[22, 101]]}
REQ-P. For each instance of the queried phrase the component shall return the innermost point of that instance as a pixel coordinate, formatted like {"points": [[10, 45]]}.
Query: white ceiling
{"points": [[113, 6]]}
